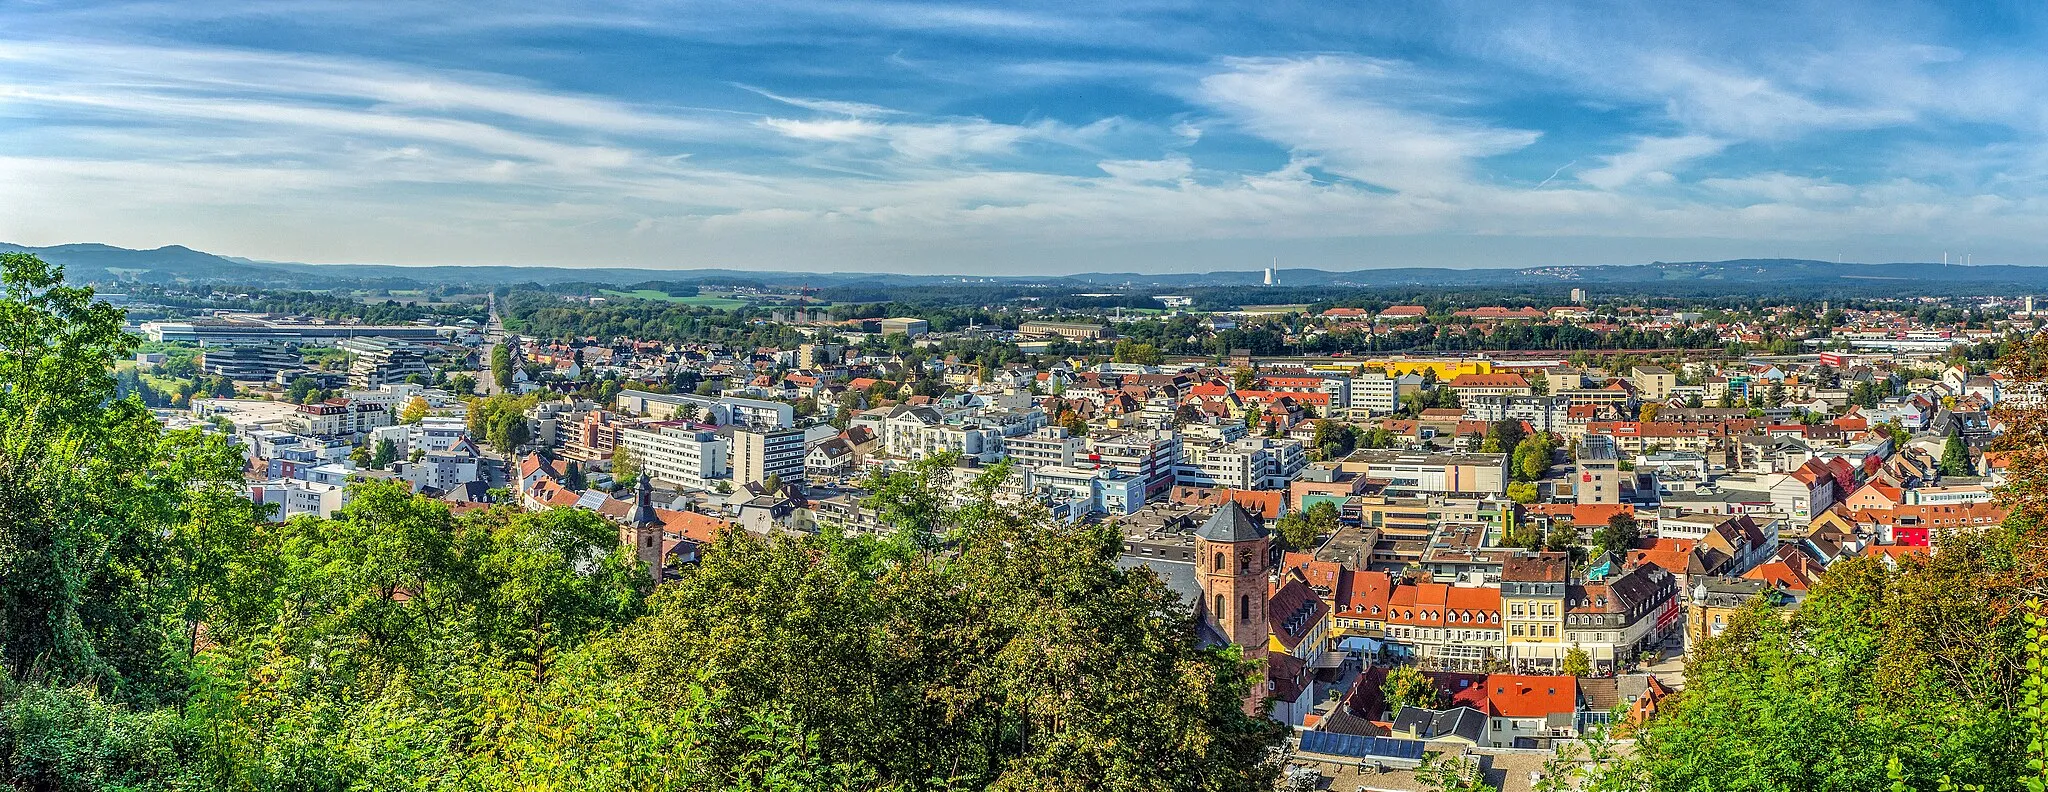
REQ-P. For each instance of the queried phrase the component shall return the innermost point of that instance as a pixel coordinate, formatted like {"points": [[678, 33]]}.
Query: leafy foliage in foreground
{"points": [[1921, 664], [157, 632]]}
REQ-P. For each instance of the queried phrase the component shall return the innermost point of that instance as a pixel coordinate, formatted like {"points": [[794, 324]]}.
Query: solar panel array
{"points": [[1359, 747]]}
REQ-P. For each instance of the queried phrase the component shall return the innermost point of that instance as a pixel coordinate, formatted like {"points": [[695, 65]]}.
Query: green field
{"points": [[704, 301]]}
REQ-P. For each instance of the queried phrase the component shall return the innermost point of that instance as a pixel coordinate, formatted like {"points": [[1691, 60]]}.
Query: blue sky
{"points": [[1027, 137]]}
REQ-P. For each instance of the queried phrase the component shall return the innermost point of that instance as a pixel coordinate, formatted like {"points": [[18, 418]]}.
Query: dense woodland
{"points": [[157, 632]]}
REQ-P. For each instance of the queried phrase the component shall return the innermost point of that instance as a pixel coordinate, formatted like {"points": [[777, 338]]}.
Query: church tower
{"points": [[643, 529], [1233, 556]]}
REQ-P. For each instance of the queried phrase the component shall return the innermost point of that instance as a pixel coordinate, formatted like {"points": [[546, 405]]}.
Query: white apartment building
{"points": [[1375, 393], [1051, 446], [721, 410], [1075, 492], [443, 470], [336, 417], [1151, 456], [292, 497], [1247, 463], [1544, 413], [918, 432], [1417, 473], [678, 453]]}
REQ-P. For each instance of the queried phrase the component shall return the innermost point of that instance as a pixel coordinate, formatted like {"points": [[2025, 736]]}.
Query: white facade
{"points": [[292, 497], [1372, 392], [442, 470], [690, 456], [1050, 446], [1248, 463], [1084, 491]]}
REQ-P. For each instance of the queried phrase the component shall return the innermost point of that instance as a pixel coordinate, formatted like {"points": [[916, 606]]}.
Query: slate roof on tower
{"points": [[1231, 523]]}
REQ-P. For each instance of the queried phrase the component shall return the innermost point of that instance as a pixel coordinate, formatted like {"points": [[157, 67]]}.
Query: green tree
{"points": [[1522, 492], [985, 668], [915, 501], [625, 468], [1532, 457], [1405, 686], [1576, 663], [1619, 535], [1955, 458], [500, 420], [1504, 436], [1447, 773], [462, 384], [1303, 529], [501, 366], [1333, 439], [386, 453], [1134, 352], [1919, 662], [302, 389], [96, 499]]}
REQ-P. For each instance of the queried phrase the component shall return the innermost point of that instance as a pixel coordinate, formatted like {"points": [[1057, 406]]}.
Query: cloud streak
{"points": [[944, 137]]}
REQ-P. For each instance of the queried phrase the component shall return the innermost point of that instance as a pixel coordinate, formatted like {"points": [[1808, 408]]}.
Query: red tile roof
{"points": [[1520, 696]]}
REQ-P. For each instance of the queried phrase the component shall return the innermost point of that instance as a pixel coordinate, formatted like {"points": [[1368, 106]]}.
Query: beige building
{"points": [[1078, 331], [1653, 382]]}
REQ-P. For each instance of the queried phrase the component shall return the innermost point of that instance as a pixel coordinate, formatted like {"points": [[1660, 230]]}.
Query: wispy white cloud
{"points": [[975, 152], [1348, 113], [1651, 159]]}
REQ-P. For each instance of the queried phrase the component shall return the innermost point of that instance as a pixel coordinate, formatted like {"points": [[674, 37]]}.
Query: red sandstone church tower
{"points": [[1233, 556]]}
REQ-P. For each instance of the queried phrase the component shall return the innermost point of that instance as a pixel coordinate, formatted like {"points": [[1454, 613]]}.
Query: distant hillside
{"points": [[96, 263]]}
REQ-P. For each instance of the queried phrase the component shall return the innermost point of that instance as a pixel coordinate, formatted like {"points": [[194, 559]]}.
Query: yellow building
{"points": [[1532, 594], [1446, 370]]}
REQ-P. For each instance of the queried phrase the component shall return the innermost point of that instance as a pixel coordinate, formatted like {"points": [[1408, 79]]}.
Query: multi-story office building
{"points": [[1599, 471], [756, 413], [1413, 473], [1375, 393], [678, 452], [1077, 331], [720, 410], [379, 361], [1653, 382], [263, 331], [760, 453], [258, 362], [909, 326]]}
